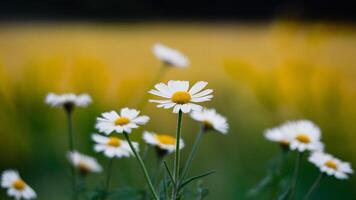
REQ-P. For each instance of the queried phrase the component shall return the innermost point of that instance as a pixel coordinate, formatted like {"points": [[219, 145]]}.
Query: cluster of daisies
{"points": [[304, 135], [112, 125]]}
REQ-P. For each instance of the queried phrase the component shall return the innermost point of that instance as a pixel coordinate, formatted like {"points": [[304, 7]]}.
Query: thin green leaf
{"points": [[194, 178], [285, 189], [262, 185], [169, 172]]}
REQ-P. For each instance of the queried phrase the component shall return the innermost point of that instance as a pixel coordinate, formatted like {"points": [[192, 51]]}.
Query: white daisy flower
{"points": [[169, 56], [83, 162], [162, 141], [331, 165], [211, 120], [125, 121], [278, 135], [69, 99], [305, 135], [113, 146], [180, 97], [16, 187]]}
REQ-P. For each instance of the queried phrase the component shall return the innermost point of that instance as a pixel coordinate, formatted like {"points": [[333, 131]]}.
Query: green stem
{"points": [[295, 175], [177, 156], [314, 186], [144, 170], [144, 100], [193, 152], [108, 177], [71, 148]]}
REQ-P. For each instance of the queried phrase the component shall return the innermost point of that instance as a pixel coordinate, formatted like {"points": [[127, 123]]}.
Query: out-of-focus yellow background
{"points": [[262, 75]]}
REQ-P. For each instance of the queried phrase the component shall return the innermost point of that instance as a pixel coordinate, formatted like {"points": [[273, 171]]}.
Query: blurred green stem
{"points": [[295, 174], [143, 167], [177, 157], [71, 148], [314, 186], [193, 152], [144, 100], [108, 177]]}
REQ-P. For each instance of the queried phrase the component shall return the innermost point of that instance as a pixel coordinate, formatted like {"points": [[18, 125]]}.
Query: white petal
{"points": [[197, 87], [202, 99], [186, 108], [177, 108], [99, 139], [203, 93], [141, 120], [163, 88], [155, 92], [160, 101], [129, 113]]}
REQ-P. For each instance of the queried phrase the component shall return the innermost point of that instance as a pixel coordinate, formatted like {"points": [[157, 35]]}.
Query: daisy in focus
{"points": [[305, 135], [16, 187], [331, 165], [180, 97], [69, 99], [162, 141], [83, 162], [169, 56], [113, 146], [211, 120], [127, 120], [278, 135]]}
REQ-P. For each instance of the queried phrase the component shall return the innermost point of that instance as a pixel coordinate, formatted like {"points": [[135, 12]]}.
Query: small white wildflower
{"points": [[211, 120], [162, 141], [180, 97], [83, 162], [169, 56], [331, 165], [16, 186], [69, 99], [125, 121], [113, 146], [305, 135]]}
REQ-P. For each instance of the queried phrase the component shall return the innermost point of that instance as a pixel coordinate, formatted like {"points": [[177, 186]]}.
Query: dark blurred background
{"points": [[123, 10]]}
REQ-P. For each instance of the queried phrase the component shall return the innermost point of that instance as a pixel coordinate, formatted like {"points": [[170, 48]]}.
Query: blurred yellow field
{"points": [[262, 75]]}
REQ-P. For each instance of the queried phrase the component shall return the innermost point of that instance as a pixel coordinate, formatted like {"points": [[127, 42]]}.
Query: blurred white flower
{"points": [[331, 165], [162, 141], [169, 56], [211, 120], [59, 100], [83, 162], [179, 97], [16, 187], [305, 135], [278, 135], [113, 146], [125, 121]]}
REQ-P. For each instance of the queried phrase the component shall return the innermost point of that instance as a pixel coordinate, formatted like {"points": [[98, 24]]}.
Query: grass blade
{"points": [[169, 172], [195, 178]]}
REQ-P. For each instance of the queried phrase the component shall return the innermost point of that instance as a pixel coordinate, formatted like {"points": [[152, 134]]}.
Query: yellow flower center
{"points": [[331, 164], [120, 121], [83, 167], [208, 124], [19, 184], [166, 139], [114, 141], [181, 97], [303, 138], [284, 142]]}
